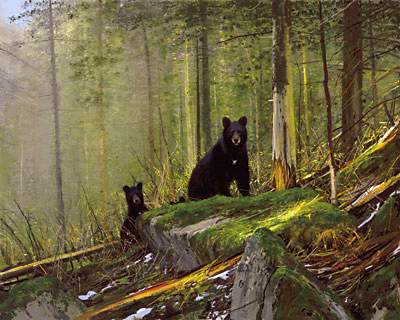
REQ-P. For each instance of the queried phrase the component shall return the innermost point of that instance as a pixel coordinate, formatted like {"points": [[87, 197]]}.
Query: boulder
{"points": [[193, 234], [271, 284], [39, 298]]}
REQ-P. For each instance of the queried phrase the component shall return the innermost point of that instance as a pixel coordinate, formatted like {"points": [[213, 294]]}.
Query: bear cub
{"points": [[227, 161], [136, 206]]}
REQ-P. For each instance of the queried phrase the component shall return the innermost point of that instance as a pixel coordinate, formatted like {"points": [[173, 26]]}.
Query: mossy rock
{"points": [[195, 233], [271, 284], [378, 297], [39, 298]]}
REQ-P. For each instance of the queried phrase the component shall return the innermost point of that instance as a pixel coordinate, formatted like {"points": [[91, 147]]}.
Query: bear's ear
{"points": [[226, 122], [126, 189], [243, 121], [140, 186]]}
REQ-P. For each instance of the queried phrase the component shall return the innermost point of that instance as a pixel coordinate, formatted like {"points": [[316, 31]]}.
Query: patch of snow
{"points": [[140, 314], [87, 296], [148, 257], [308, 265], [109, 286], [372, 215], [396, 251], [395, 193], [369, 267], [223, 275], [220, 286], [201, 297]]}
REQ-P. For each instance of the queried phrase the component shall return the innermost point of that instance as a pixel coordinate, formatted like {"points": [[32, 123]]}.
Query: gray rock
{"points": [[175, 244], [271, 284], [39, 299]]}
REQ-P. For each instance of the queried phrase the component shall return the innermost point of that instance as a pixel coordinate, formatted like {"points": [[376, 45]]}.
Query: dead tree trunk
{"points": [[284, 133], [332, 167], [150, 107], [62, 236], [205, 80], [352, 74], [102, 109], [198, 106]]}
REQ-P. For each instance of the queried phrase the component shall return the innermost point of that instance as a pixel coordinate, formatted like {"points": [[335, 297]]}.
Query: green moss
{"points": [[300, 222], [298, 298], [27, 291], [392, 314], [181, 215], [380, 289]]}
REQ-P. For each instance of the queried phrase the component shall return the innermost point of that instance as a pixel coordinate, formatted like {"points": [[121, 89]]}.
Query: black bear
{"points": [[225, 162], [136, 206]]}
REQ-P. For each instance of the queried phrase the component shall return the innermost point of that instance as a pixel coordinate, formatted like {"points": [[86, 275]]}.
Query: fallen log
{"points": [[51, 261]]}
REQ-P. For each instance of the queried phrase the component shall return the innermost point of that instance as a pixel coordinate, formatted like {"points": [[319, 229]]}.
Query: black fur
{"points": [[136, 206], [227, 161]]}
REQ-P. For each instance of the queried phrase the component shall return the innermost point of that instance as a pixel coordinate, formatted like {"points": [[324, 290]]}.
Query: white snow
{"points": [[218, 287], [369, 267], [87, 296], [199, 298], [395, 193], [396, 251], [148, 257], [223, 275], [109, 286], [140, 314]]}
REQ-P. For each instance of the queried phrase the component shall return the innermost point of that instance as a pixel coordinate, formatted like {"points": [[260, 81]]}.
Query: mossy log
{"points": [[40, 266]]}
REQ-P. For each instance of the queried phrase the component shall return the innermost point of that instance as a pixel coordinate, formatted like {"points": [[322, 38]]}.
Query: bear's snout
{"points": [[136, 199], [236, 139]]}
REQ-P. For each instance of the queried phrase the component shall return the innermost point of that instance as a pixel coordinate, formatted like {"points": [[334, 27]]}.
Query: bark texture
{"points": [[284, 133], [57, 134], [352, 74]]}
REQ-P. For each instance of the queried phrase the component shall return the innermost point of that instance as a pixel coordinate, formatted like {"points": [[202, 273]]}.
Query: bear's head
{"points": [[235, 133], [134, 195]]}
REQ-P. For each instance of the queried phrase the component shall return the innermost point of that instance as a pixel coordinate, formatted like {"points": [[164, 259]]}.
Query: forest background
{"points": [[99, 94]]}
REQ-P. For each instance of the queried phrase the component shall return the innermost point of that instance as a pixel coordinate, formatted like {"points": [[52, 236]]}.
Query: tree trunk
{"points": [[306, 94], [284, 133], [102, 109], [188, 107], [352, 74], [150, 107], [374, 87], [332, 166], [62, 235], [198, 106], [205, 81]]}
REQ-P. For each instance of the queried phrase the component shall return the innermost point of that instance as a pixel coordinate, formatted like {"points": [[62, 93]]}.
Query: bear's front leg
{"points": [[243, 181], [223, 189]]}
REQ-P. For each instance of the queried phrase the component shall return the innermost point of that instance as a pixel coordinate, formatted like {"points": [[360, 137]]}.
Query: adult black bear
{"points": [[225, 162], [136, 206]]}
